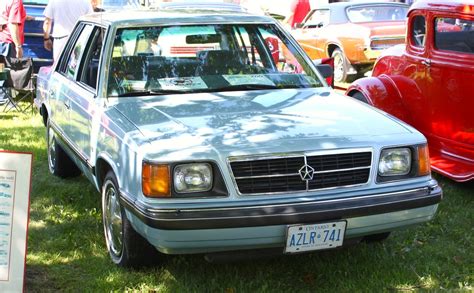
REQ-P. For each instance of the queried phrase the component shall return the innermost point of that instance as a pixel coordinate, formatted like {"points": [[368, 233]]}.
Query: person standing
{"points": [[64, 14], [13, 17], [298, 11], [12, 22]]}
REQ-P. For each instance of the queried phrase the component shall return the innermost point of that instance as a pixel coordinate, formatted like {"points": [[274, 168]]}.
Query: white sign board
{"points": [[15, 185]]}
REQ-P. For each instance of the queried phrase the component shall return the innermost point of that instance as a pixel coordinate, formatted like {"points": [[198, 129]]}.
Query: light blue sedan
{"points": [[209, 130]]}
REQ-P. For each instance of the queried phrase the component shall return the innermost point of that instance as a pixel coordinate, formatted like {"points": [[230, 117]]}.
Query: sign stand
{"points": [[15, 187]]}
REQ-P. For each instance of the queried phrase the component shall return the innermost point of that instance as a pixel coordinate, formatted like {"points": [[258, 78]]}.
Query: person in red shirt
{"points": [[13, 15], [298, 11]]}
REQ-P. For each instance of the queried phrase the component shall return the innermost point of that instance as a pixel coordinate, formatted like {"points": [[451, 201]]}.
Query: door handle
{"points": [[51, 92], [67, 105], [426, 62]]}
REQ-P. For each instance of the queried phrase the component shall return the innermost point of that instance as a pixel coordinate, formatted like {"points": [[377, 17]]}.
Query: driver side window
{"points": [[88, 75], [418, 31]]}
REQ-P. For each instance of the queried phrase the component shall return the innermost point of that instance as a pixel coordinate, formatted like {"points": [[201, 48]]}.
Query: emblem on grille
{"points": [[306, 172]]}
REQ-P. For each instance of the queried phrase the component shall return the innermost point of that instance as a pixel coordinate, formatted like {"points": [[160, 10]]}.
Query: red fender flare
{"points": [[381, 92]]}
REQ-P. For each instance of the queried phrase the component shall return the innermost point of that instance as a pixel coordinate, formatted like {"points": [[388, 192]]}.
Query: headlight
{"points": [[194, 177], [395, 162]]}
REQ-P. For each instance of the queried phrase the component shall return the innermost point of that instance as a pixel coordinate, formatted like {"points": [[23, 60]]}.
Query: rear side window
{"points": [[375, 13], [319, 18], [418, 31], [454, 34], [70, 58]]}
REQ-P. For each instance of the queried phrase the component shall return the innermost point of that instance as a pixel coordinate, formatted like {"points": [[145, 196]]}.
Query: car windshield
{"points": [[375, 13], [205, 58]]}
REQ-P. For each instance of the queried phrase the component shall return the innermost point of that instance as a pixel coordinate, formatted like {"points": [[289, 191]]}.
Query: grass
{"points": [[66, 247]]}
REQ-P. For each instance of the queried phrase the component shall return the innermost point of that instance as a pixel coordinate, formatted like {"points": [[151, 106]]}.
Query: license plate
{"points": [[302, 238]]}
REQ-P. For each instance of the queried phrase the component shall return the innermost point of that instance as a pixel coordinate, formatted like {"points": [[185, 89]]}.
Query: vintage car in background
{"points": [[429, 82], [353, 33], [34, 44], [226, 148]]}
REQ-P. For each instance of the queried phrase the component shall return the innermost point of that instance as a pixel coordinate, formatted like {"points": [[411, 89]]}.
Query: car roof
{"points": [[362, 2], [338, 9], [463, 6], [212, 5], [176, 15]]}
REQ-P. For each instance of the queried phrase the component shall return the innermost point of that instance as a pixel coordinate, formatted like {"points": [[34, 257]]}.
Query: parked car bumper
{"points": [[34, 43], [371, 55], [224, 229]]}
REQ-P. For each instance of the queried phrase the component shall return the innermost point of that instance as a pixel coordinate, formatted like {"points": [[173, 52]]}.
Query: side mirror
{"points": [[325, 67], [299, 25]]}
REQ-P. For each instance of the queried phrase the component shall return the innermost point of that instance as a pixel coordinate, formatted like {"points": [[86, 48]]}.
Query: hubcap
{"points": [[51, 150], [113, 219]]}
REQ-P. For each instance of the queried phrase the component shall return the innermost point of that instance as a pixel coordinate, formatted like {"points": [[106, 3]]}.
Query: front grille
{"points": [[282, 174]]}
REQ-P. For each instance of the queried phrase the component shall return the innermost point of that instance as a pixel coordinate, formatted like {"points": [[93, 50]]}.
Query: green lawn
{"points": [[66, 250]]}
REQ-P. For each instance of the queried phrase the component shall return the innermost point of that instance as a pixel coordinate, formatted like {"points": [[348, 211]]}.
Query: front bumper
{"points": [[264, 237], [371, 55], [229, 229], [282, 214]]}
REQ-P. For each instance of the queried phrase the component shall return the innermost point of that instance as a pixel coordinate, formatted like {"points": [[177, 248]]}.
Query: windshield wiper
{"points": [[169, 91], [239, 87], [135, 94], [150, 93]]}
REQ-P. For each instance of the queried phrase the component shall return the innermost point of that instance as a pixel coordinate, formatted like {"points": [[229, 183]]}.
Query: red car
{"points": [[429, 83]]}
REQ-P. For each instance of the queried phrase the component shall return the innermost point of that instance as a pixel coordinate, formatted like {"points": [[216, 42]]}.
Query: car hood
{"points": [[268, 120]]}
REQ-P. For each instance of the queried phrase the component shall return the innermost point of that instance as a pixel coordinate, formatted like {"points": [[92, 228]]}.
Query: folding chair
{"points": [[3, 88], [19, 85]]}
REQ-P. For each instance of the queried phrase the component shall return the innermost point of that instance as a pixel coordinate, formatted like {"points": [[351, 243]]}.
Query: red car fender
{"points": [[382, 92]]}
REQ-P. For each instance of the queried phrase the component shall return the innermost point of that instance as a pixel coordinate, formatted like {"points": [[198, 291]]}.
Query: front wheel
{"points": [[126, 247], [341, 66]]}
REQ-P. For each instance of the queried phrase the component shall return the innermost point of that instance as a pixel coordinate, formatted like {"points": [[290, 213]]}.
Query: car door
{"points": [[85, 108], [451, 81], [58, 88], [63, 88], [417, 73], [309, 36]]}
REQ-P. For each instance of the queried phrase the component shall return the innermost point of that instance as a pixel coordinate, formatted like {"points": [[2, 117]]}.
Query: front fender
{"points": [[381, 92], [103, 164]]}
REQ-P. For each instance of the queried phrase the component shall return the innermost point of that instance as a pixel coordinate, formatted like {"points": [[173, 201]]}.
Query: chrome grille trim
{"points": [[268, 176], [297, 174], [303, 156]]}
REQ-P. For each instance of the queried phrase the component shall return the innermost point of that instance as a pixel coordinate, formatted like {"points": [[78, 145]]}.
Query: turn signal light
{"points": [[423, 161], [156, 180]]}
